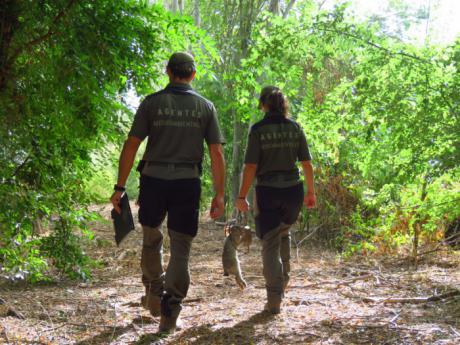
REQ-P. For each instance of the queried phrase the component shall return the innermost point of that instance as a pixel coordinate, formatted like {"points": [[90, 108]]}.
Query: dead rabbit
{"points": [[236, 235]]}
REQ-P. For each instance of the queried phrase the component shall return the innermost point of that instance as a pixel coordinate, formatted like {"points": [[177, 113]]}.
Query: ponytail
{"points": [[274, 100]]}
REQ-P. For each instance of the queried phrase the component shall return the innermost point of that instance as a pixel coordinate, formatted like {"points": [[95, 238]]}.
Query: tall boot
{"points": [[177, 280], [272, 270], [152, 269], [285, 253]]}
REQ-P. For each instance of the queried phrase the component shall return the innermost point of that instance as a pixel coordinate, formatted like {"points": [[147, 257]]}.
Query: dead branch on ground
{"points": [[414, 300], [333, 282]]}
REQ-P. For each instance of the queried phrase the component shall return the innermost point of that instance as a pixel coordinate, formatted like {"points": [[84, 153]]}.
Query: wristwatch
{"points": [[119, 188]]}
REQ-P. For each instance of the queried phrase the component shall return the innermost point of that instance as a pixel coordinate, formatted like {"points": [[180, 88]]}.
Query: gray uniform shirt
{"points": [[177, 121], [275, 144]]}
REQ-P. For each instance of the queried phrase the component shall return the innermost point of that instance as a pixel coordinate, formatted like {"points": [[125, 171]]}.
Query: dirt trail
{"points": [[325, 304]]}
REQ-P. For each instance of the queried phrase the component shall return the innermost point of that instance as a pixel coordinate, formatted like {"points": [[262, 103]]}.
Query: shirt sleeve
{"points": [[303, 153], [253, 149], [141, 124], [213, 135]]}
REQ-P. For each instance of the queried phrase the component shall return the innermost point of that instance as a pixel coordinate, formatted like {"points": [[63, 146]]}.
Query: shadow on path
{"points": [[111, 334], [243, 332]]}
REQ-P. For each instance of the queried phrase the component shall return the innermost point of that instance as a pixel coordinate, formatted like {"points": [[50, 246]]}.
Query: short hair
{"points": [[183, 71], [181, 65]]}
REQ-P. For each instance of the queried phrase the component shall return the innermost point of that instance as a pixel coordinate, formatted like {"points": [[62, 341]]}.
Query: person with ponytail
{"points": [[275, 145]]}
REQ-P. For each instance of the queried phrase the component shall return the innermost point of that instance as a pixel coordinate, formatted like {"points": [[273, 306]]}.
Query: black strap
{"points": [[272, 176], [174, 165]]}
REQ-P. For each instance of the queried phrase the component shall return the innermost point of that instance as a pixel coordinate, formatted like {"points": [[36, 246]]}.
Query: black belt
{"points": [[283, 176], [173, 165]]}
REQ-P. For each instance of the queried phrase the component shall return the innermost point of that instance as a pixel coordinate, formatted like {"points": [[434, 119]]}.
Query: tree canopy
{"points": [[381, 113]]}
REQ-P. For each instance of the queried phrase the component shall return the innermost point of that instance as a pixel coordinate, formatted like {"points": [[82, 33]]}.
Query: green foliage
{"points": [[381, 116], [104, 172], [392, 225], [63, 247], [66, 67]]}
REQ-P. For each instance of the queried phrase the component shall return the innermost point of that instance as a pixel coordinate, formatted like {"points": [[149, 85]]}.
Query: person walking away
{"points": [[274, 146], [176, 121]]}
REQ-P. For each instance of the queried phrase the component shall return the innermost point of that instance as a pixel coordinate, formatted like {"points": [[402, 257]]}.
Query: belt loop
{"points": [[171, 166]]}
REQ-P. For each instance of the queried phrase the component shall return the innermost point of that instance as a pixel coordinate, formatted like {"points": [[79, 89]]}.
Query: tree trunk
{"points": [[174, 6], [236, 155], [288, 8], [181, 6], [275, 7], [9, 12], [196, 13], [321, 4], [417, 225], [245, 23]]}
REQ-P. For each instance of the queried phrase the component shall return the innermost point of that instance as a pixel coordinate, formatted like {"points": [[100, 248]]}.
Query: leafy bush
{"points": [[64, 73], [397, 213]]}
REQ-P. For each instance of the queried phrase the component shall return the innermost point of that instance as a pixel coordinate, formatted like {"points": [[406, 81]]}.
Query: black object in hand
{"points": [[123, 222]]}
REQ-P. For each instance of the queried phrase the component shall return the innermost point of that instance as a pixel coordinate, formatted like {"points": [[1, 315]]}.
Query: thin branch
{"points": [[334, 282], [298, 243], [414, 300], [320, 6], [89, 326], [288, 8], [444, 242], [44, 37], [309, 235], [393, 319], [375, 45], [427, 25], [455, 331], [448, 103], [20, 166], [431, 206]]}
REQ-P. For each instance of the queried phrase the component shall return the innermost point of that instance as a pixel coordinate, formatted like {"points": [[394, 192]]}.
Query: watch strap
{"points": [[119, 188]]}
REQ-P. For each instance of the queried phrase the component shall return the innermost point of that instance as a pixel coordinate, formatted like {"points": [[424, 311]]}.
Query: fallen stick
{"points": [[331, 282], [393, 319], [86, 325], [311, 334], [437, 249], [455, 331], [77, 325], [414, 300]]}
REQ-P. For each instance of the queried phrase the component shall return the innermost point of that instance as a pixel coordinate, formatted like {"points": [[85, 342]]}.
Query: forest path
{"points": [[325, 304]]}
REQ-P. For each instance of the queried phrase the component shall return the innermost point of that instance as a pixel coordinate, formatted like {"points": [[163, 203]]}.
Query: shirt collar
{"points": [[180, 86], [270, 114]]}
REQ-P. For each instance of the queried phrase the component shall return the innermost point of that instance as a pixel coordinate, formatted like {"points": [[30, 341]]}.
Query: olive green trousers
{"points": [[276, 255], [172, 285]]}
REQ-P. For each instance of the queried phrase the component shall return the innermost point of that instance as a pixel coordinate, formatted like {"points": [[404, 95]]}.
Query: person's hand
{"points": [[217, 207], [242, 205], [309, 200], [115, 200]]}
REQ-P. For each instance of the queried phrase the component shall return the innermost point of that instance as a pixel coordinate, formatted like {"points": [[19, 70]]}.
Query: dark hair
{"points": [[274, 100], [182, 71]]}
